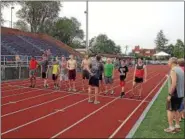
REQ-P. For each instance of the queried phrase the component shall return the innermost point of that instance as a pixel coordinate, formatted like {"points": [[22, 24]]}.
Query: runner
{"points": [[123, 69], [55, 73], [45, 66], [140, 74], [85, 73], [71, 66], [63, 72], [32, 67], [94, 71], [109, 76]]}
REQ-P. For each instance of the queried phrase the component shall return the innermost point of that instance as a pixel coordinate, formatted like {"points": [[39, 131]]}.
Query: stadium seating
{"points": [[23, 43]]}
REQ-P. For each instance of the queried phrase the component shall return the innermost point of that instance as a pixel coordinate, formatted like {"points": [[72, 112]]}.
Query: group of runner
{"points": [[95, 74]]}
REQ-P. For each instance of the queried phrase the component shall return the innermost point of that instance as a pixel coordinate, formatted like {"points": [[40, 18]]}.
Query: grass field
{"points": [[155, 121]]}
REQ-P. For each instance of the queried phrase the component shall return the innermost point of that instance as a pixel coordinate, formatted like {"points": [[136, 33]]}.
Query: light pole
{"points": [[11, 15], [87, 25]]}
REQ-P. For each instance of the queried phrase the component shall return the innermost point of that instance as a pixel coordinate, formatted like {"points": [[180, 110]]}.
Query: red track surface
{"points": [[34, 113]]}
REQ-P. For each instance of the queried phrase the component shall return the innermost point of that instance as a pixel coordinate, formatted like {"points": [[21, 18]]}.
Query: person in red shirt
{"points": [[139, 77], [32, 67]]}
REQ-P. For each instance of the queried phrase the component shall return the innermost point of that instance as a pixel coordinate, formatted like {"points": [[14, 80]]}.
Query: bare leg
{"points": [[140, 90], [34, 81], [90, 94], [170, 116], [177, 121], [83, 84], [74, 88], [96, 96], [133, 88], [69, 84]]}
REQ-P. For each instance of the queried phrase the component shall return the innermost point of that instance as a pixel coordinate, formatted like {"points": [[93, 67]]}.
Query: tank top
{"points": [[139, 71], [180, 81]]}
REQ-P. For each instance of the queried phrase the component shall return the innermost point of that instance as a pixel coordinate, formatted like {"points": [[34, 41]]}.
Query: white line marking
{"points": [[59, 110], [35, 106], [129, 116], [30, 98], [141, 118], [87, 116]]}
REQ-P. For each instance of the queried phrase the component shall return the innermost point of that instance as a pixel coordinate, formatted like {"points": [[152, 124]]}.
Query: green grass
{"points": [[156, 120]]}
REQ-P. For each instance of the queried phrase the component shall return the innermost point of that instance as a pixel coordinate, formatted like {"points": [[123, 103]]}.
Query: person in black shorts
{"points": [[175, 95], [94, 70], [85, 73], [44, 65], [123, 69]]}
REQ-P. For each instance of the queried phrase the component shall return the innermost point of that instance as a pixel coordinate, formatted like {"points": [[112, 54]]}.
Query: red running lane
{"points": [[108, 118], [54, 123], [48, 117]]}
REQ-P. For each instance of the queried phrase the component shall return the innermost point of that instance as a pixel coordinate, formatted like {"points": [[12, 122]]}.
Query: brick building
{"points": [[143, 52]]}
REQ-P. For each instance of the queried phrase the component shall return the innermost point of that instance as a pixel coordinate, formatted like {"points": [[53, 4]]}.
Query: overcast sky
{"points": [[127, 23]]}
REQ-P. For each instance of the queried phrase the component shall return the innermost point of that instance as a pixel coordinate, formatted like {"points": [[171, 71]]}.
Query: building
{"points": [[82, 51], [143, 52]]}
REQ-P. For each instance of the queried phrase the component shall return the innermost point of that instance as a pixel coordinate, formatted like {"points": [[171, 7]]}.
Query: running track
{"points": [[45, 113]]}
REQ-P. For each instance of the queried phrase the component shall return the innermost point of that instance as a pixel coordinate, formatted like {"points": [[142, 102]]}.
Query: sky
{"points": [[126, 23]]}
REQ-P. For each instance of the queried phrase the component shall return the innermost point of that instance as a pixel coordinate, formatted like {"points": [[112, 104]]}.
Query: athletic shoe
{"points": [[74, 90], [90, 101], [122, 94], [96, 102], [30, 86], [69, 89], [169, 130], [106, 92], [112, 92]]}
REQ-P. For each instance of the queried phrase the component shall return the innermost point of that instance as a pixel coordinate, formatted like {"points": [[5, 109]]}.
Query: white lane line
{"points": [[56, 111], [11, 113], [141, 118], [129, 116], [29, 98], [87, 116]]}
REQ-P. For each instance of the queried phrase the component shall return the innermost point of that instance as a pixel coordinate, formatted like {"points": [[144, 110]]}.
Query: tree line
{"points": [[43, 17], [176, 50]]}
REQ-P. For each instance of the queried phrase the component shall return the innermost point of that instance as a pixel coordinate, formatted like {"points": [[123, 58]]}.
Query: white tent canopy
{"points": [[161, 54]]}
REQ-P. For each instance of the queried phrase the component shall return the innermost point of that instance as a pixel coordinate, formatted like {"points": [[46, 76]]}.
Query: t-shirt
{"points": [[63, 69], [108, 70], [44, 65], [33, 64], [55, 69], [95, 69], [123, 71]]}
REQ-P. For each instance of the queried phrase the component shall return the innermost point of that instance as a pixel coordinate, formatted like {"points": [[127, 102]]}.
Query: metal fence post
{"points": [[19, 72], [4, 60]]}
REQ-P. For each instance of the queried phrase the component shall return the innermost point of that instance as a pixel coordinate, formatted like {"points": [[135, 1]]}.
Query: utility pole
{"points": [[11, 15], [126, 48], [87, 25]]}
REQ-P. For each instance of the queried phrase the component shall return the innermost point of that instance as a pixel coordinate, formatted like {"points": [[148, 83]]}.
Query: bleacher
{"points": [[14, 41]]}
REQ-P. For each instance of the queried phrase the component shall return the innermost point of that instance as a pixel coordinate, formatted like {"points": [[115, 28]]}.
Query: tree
{"points": [[36, 13], [102, 44], [179, 49], [170, 49], [161, 41], [21, 25], [68, 31]]}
